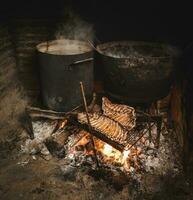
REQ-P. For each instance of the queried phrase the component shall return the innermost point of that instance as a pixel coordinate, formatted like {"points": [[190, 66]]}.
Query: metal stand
{"points": [[89, 125], [156, 119]]}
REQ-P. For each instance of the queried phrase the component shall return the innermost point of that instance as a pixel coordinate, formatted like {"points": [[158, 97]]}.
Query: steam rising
{"points": [[75, 28]]}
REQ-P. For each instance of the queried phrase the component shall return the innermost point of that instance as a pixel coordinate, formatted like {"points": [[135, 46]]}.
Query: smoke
{"points": [[74, 28]]}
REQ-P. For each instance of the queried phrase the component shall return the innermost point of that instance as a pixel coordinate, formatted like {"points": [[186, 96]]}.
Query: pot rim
{"points": [[172, 51], [42, 47]]}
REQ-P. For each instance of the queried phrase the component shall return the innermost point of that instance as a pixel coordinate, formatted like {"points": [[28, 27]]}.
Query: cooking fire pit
{"points": [[67, 138], [108, 141], [105, 136]]}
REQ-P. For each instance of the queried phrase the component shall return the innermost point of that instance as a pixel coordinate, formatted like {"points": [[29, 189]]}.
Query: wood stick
{"points": [[35, 112], [91, 106], [89, 125]]}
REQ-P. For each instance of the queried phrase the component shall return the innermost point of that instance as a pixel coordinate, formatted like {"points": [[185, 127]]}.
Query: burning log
{"points": [[35, 112], [55, 144]]}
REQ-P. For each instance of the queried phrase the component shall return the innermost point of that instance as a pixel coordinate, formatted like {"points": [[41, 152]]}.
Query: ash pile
{"points": [[126, 141]]}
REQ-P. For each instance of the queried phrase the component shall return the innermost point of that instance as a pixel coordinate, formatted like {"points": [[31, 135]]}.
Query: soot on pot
{"points": [[134, 54]]}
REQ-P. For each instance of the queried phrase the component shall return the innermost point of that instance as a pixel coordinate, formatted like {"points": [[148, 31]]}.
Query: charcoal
{"points": [[79, 148], [89, 146], [54, 148], [68, 172]]}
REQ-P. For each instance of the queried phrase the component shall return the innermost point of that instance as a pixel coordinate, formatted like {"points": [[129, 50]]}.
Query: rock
{"points": [[80, 148], [132, 169], [147, 143], [55, 144], [60, 138], [56, 149], [151, 145], [24, 135], [31, 147], [45, 153], [69, 172], [149, 151]]}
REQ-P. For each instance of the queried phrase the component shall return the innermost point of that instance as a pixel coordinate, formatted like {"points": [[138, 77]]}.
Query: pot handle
{"points": [[81, 61]]}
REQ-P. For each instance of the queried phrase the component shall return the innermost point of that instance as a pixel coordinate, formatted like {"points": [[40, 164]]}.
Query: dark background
{"points": [[166, 21]]}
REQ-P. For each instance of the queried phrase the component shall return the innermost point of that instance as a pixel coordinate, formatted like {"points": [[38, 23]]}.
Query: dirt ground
{"points": [[26, 177]]}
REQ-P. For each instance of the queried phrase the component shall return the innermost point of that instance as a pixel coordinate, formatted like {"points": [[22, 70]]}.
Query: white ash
{"points": [[43, 129], [23, 163], [32, 147], [160, 161], [132, 58], [44, 151]]}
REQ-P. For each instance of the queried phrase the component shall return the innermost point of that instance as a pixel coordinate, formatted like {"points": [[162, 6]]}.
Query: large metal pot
{"points": [[63, 64], [137, 72]]}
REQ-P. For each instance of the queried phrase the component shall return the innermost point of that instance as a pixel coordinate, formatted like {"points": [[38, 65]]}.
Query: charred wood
{"points": [[35, 112]]}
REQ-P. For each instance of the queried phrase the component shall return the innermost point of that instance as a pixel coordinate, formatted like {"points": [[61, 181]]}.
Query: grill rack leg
{"points": [[159, 126]]}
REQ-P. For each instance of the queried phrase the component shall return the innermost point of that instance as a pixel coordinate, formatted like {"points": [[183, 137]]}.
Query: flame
{"points": [[63, 124], [83, 141], [128, 159], [125, 155], [107, 150], [112, 155]]}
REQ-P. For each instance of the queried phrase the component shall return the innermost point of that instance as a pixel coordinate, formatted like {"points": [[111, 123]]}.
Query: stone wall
{"points": [[26, 35], [12, 98]]}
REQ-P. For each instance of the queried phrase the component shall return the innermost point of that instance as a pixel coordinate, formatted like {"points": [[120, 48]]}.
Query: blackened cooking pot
{"points": [[63, 64], [137, 72]]}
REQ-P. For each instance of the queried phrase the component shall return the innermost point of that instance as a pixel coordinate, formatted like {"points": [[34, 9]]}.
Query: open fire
{"points": [[130, 160], [57, 136], [127, 157]]}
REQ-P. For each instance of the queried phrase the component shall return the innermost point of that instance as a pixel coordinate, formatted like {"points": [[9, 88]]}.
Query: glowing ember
{"points": [[107, 150], [140, 154], [111, 154], [63, 124], [125, 155], [128, 160]]}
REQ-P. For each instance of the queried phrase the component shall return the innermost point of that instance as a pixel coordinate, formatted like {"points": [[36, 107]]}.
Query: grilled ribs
{"points": [[123, 114], [105, 125]]}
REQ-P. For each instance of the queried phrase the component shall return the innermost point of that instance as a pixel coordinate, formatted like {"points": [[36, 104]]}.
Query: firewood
{"points": [[35, 112], [88, 120]]}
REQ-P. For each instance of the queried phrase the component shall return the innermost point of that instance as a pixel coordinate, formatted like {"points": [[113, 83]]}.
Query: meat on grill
{"points": [[123, 114], [105, 125]]}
